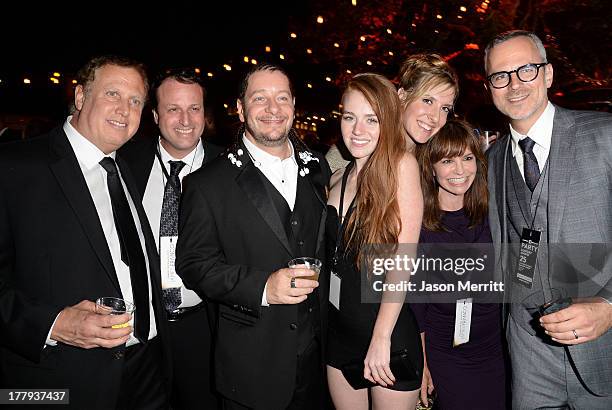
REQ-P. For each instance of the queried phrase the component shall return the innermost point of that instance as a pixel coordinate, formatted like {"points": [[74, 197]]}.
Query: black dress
{"points": [[351, 327], [471, 375]]}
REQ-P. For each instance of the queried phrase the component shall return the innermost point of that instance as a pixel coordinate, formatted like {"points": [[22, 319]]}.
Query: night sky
{"points": [[38, 40], [182, 32]]}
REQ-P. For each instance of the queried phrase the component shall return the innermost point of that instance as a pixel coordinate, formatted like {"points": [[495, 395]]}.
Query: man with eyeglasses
{"points": [[550, 182]]}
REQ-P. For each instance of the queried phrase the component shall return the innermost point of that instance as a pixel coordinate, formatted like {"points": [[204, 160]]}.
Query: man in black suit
{"points": [[178, 101], [72, 229], [7, 134], [243, 217]]}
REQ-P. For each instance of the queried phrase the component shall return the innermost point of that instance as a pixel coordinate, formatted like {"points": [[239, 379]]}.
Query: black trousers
{"points": [[309, 383], [191, 345], [142, 382]]}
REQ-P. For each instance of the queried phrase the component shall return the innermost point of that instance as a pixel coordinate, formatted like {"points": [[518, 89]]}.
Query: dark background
{"points": [[37, 40]]}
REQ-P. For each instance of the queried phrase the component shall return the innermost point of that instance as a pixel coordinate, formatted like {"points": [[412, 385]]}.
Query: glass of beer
{"points": [[307, 263], [114, 306]]}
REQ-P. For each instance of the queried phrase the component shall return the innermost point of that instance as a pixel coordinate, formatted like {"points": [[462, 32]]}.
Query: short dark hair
{"points": [[183, 75], [87, 74], [509, 35], [244, 84]]}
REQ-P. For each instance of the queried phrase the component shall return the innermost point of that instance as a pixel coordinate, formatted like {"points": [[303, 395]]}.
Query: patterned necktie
{"points": [[169, 225], [530, 163], [131, 249]]}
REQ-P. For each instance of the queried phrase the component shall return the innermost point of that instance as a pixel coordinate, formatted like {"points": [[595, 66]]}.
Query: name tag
{"points": [[463, 321], [167, 253], [528, 255], [334, 290]]}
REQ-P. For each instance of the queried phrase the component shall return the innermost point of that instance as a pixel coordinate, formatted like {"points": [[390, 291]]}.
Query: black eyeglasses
{"points": [[525, 73]]}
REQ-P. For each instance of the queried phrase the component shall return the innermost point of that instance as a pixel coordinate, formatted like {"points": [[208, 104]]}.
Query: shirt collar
{"points": [[540, 132], [262, 156], [86, 152], [193, 159]]}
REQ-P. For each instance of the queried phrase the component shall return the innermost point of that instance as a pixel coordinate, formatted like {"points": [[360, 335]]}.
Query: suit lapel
{"points": [[249, 180], [317, 180], [72, 182], [518, 193], [562, 153], [142, 169], [151, 249], [498, 177], [141, 157], [208, 156]]}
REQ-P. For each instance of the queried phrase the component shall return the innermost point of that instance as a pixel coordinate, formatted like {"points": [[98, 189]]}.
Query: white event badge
{"points": [[334, 290], [463, 321], [167, 253]]}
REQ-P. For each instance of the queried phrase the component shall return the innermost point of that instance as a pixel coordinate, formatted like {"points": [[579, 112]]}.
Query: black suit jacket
{"points": [[10, 135], [53, 254], [140, 156], [230, 240]]}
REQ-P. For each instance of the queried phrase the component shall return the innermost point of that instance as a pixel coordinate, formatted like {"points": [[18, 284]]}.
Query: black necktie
{"points": [[530, 163], [131, 249], [168, 225]]}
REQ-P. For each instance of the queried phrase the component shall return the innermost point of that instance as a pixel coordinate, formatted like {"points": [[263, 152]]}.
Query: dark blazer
{"points": [[230, 240], [53, 254], [10, 135], [579, 212], [140, 156]]}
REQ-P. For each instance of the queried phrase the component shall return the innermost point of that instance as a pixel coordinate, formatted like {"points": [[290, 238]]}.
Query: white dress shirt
{"points": [[89, 157], [282, 173], [541, 134], [154, 197]]}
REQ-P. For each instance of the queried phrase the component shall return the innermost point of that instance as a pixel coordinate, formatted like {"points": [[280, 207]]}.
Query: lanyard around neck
{"points": [[342, 223]]}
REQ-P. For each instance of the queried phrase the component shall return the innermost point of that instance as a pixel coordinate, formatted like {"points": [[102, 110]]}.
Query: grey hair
{"points": [[509, 35]]}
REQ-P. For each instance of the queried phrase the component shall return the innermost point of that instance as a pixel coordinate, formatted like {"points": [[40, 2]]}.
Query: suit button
{"points": [[294, 223], [118, 355], [301, 243], [309, 310], [293, 326]]}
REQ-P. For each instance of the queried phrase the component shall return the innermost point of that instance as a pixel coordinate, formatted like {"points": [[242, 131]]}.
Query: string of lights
{"points": [[350, 36]]}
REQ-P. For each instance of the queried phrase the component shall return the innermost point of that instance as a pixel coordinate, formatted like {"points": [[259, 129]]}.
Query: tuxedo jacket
{"points": [[53, 254], [231, 238], [579, 211]]}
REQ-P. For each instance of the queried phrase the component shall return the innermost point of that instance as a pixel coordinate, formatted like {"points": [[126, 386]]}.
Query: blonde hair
{"points": [[422, 72]]}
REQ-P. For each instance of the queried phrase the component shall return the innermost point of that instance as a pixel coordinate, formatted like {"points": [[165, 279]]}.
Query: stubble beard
{"points": [[269, 140]]}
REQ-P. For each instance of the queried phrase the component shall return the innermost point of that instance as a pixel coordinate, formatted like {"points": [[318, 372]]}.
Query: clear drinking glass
{"points": [[114, 306], [308, 263]]}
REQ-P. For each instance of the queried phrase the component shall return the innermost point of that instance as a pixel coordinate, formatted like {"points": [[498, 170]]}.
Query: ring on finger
{"points": [[575, 334], [292, 284]]}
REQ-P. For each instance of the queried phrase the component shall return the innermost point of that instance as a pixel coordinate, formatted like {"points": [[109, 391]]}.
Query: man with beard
{"points": [[243, 217], [550, 183]]}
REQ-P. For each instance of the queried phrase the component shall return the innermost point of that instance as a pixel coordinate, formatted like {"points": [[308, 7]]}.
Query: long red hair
{"points": [[376, 218]]}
